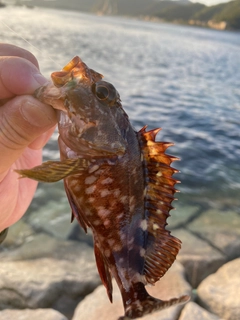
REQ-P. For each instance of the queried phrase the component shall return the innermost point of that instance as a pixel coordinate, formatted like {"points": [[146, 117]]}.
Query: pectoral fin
{"points": [[52, 171]]}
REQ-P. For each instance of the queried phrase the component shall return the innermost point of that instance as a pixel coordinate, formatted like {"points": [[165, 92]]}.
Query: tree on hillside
{"points": [[180, 12], [207, 13], [230, 14]]}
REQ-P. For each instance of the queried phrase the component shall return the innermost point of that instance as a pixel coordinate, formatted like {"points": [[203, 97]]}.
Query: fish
{"points": [[118, 182]]}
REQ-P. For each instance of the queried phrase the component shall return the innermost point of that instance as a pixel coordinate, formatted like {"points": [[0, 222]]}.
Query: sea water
{"points": [[183, 79]]}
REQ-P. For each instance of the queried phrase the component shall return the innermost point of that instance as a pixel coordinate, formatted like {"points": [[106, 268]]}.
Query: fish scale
{"points": [[118, 182]]}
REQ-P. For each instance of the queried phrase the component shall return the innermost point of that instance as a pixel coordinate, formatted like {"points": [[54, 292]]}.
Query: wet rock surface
{"points": [[180, 217], [52, 269], [221, 229]]}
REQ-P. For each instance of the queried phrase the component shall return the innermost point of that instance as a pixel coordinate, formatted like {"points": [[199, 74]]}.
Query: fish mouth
{"points": [[74, 72]]}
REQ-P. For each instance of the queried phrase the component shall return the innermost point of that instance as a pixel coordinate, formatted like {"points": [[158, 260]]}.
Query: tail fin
{"points": [[141, 303]]}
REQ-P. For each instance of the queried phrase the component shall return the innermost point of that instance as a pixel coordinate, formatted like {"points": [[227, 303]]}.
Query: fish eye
{"points": [[105, 92], [102, 92]]}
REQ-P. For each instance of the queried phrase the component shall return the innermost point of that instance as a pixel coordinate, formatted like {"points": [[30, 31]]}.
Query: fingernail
{"points": [[35, 114]]}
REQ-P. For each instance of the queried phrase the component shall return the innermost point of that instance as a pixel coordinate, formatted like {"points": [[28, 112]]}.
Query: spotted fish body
{"points": [[118, 182]]}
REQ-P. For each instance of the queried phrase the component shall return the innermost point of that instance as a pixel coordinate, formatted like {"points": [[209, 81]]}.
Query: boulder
{"points": [[96, 306], [28, 314], [193, 311], [41, 282], [198, 257], [42, 245], [55, 273], [220, 292], [221, 229]]}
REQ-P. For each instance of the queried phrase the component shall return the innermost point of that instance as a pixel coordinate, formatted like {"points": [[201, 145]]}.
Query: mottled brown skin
{"points": [[118, 182]]}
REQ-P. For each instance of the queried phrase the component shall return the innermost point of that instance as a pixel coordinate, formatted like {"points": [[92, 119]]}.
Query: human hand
{"points": [[25, 126]]}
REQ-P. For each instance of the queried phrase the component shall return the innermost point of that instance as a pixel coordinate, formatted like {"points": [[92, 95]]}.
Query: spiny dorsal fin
{"points": [[161, 247]]}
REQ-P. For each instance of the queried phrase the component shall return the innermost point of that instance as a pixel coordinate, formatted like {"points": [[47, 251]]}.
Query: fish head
{"points": [[91, 113]]}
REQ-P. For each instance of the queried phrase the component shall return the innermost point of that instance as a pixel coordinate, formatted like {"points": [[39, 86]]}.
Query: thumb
{"points": [[22, 120]]}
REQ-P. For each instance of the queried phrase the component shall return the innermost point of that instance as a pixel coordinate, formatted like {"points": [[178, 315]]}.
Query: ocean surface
{"points": [[183, 79]]}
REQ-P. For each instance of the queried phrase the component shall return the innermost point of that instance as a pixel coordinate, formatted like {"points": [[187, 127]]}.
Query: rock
{"points": [[58, 273], [221, 229], [220, 292], [36, 246], [96, 306], [41, 282], [193, 311], [197, 256], [181, 216], [28, 314]]}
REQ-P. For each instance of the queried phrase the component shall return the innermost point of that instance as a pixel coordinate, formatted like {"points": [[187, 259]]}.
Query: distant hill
{"points": [[222, 16], [226, 15], [117, 7], [135, 7], [229, 12], [178, 12]]}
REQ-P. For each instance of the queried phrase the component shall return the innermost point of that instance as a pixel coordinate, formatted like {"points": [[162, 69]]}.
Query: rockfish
{"points": [[118, 182]]}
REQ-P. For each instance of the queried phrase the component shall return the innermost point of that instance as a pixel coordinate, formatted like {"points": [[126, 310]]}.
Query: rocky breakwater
{"points": [[50, 273]]}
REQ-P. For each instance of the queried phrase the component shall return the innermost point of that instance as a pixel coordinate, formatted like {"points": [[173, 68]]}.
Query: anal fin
{"points": [[103, 269], [75, 211]]}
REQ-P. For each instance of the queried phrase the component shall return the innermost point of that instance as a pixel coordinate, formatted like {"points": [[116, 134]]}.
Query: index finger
{"points": [[19, 72], [18, 76], [7, 49]]}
